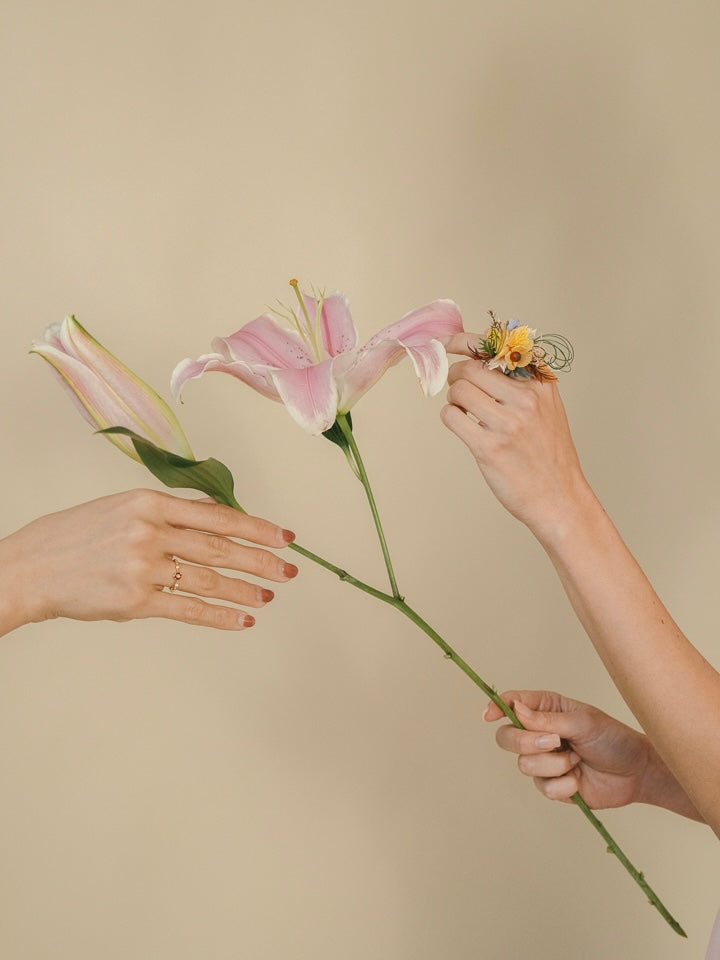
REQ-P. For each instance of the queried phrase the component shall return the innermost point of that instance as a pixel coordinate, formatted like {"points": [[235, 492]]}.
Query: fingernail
{"points": [[486, 711], [290, 570], [547, 741], [248, 621], [266, 595], [522, 710], [288, 536]]}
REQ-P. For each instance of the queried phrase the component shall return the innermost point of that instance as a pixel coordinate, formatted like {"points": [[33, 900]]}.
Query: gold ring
{"points": [[177, 576]]}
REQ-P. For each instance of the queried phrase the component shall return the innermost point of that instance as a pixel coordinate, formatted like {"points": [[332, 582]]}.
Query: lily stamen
{"points": [[312, 328]]}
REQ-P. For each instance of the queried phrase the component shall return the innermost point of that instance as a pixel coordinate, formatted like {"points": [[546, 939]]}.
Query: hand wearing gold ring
{"points": [[113, 558]]}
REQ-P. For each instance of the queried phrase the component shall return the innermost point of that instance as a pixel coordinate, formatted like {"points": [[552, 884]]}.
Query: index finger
{"points": [[462, 343], [543, 700], [212, 517]]}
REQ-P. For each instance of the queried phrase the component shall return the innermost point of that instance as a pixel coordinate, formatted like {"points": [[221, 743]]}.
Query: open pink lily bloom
{"points": [[314, 365]]}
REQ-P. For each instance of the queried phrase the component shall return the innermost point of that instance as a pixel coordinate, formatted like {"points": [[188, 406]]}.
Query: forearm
{"points": [[660, 788], [671, 689]]}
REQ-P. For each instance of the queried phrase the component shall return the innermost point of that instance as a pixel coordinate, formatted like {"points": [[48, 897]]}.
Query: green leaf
{"points": [[335, 434], [210, 476]]}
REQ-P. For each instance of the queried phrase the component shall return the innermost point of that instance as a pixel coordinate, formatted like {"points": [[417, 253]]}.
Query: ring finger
{"points": [[471, 399], [211, 550], [548, 764], [204, 582]]}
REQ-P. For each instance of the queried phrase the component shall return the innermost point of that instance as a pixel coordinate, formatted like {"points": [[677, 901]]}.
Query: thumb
{"points": [[566, 725], [461, 343]]}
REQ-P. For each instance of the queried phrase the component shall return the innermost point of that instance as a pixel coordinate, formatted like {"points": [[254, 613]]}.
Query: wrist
{"points": [[572, 514], [656, 785], [16, 607]]}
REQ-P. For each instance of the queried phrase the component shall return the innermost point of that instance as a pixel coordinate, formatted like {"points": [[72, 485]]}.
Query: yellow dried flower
{"points": [[516, 349]]}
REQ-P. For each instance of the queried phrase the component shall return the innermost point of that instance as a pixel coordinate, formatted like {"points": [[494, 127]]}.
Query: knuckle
{"points": [[544, 786], [195, 611], [559, 788], [569, 760], [505, 738], [446, 413], [514, 424], [219, 514], [456, 370], [460, 393], [208, 580], [145, 501], [138, 532], [530, 400], [248, 525], [220, 617], [454, 390], [269, 564], [218, 548], [262, 531], [139, 570]]}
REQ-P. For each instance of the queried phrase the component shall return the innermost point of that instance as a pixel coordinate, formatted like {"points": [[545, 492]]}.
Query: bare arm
{"points": [[519, 436]]}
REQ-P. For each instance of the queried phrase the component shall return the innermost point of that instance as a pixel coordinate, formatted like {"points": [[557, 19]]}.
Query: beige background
{"points": [[324, 786]]}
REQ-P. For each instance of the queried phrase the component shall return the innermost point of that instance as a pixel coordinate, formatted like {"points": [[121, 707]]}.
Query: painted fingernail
{"points": [[547, 741], [266, 595], [248, 621], [288, 536], [290, 570]]}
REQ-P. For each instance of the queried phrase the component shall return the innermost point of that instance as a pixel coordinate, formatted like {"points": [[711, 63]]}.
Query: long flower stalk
{"points": [[342, 422], [399, 603], [213, 478]]}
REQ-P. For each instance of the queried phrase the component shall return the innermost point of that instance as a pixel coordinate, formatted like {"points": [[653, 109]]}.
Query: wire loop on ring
{"points": [[177, 576]]}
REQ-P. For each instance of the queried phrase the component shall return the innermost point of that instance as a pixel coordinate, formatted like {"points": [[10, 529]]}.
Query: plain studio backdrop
{"points": [[323, 786]]}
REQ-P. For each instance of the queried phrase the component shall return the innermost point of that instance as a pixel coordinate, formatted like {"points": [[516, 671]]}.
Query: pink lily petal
{"points": [[52, 336], [431, 365], [365, 369], [143, 410], [338, 330], [267, 342], [310, 395], [211, 362], [438, 320], [421, 334], [98, 406]]}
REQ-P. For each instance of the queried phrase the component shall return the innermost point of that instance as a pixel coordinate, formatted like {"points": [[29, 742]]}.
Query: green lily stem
{"points": [[348, 434], [636, 874], [399, 604], [404, 608]]}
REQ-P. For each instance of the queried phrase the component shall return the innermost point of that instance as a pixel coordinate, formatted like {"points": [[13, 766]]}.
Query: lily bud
{"points": [[107, 393]]}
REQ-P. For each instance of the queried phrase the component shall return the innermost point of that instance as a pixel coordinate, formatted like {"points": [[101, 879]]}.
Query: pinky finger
{"points": [[198, 613], [558, 788]]}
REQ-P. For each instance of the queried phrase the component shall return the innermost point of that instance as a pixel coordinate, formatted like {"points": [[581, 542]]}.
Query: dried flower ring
{"points": [[177, 576], [518, 351]]}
